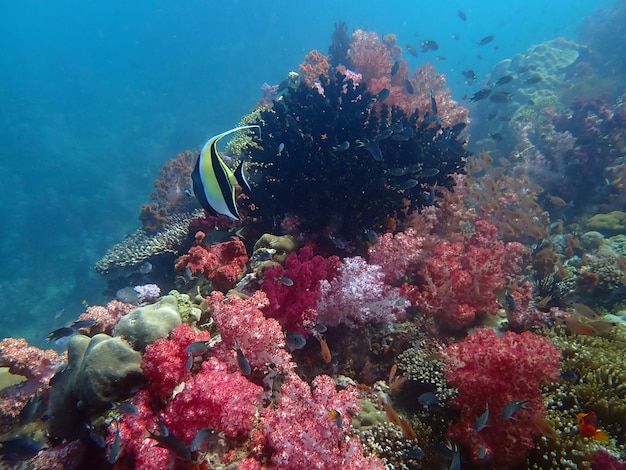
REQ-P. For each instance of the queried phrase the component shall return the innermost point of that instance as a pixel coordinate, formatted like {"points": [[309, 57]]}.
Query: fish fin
{"points": [[601, 436], [240, 176]]}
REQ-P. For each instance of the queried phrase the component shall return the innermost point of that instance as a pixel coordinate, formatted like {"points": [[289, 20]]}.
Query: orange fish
{"points": [[326, 355], [587, 426]]}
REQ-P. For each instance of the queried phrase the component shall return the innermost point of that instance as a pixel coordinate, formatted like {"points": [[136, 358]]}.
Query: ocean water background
{"points": [[96, 96]]}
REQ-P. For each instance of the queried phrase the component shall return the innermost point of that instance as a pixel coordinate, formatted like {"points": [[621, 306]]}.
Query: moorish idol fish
{"points": [[214, 183]]}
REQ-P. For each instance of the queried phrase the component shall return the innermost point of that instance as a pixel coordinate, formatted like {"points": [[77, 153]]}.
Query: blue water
{"points": [[96, 96]]}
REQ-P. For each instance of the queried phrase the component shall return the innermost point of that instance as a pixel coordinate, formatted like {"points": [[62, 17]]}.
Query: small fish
{"points": [[60, 333], [408, 86], [504, 80], [428, 399], [58, 314], [384, 135], [78, 324], [320, 328], [395, 68], [116, 447], [371, 236], [281, 147], [414, 453], [579, 327], [500, 97], [469, 75], [481, 421], [512, 408], [374, 150], [544, 427], [244, 365], [441, 57], [429, 46], [126, 408], [214, 182], [336, 415], [128, 295], [406, 184], [33, 409], [556, 201], [429, 172], [587, 423], [145, 267], [569, 376], [60, 372], [338, 242], [411, 50], [456, 37], [96, 436], [585, 311], [342, 147], [285, 281], [480, 95], [171, 442], [455, 464], [326, 355], [197, 348], [382, 95], [486, 40], [203, 438], [509, 302], [462, 15], [19, 448], [532, 80], [294, 341], [395, 171], [189, 363], [496, 136]]}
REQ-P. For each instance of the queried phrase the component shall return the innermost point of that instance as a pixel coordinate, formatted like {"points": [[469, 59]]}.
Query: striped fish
{"points": [[214, 183]]}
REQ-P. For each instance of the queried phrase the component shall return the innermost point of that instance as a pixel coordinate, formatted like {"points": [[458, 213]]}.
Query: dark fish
{"points": [[414, 453], [569, 376], [429, 46], [504, 80], [469, 75], [145, 267], [242, 361], [60, 333], [374, 150], [512, 408], [371, 235], [189, 363], [96, 436], [441, 57], [285, 281], [78, 324], [486, 40], [406, 184], [294, 341], [480, 94], [128, 295], [20, 448], [510, 302], [197, 348], [395, 171], [400, 137], [532, 80], [496, 136], [428, 399], [433, 103], [116, 448], [455, 37], [481, 421], [395, 68], [61, 371], [126, 408], [408, 86], [338, 242], [411, 50], [500, 97], [428, 172], [462, 15], [33, 409], [382, 95], [171, 442], [203, 438], [384, 135], [458, 128], [320, 328], [342, 147]]}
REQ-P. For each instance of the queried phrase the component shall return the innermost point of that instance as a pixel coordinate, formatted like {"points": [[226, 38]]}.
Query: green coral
{"points": [[189, 312], [600, 365], [612, 223], [236, 147]]}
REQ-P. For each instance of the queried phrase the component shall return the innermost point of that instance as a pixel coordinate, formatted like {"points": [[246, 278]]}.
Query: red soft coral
{"points": [[221, 264], [493, 371], [214, 398], [164, 363], [294, 306]]}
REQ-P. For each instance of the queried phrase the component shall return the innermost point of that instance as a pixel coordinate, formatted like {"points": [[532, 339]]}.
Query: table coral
{"points": [[221, 264], [492, 371]]}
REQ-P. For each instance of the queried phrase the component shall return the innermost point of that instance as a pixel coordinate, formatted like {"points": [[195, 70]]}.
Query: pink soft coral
{"points": [[358, 296], [261, 339], [294, 306], [493, 371], [304, 429]]}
